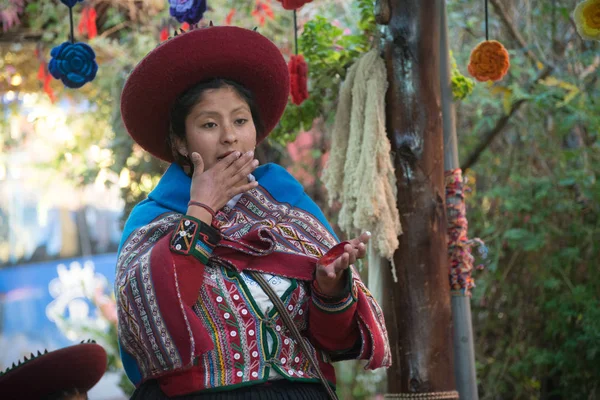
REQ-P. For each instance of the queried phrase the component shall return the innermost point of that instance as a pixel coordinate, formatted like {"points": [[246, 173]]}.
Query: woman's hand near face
{"points": [[228, 178], [330, 278]]}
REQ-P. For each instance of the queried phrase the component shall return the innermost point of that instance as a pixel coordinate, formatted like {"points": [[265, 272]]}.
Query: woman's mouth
{"points": [[224, 155]]}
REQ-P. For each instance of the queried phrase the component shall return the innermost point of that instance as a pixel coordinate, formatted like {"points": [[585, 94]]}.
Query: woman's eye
{"points": [[209, 125], [241, 121]]}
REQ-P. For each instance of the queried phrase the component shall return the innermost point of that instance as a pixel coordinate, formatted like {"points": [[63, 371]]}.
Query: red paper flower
{"points": [[48, 89], [298, 79], [164, 34], [87, 23], [229, 16], [262, 11], [41, 72], [293, 4]]}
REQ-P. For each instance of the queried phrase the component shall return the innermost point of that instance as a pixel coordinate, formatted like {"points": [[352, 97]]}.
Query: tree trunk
{"points": [[417, 307]]}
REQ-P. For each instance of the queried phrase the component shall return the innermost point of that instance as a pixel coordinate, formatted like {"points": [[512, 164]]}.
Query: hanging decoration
{"points": [[587, 19], [293, 4], [262, 11], [87, 23], [190, 11], [459, 245], [73, 63], [298, 79], [298, 72], [489, 60]]}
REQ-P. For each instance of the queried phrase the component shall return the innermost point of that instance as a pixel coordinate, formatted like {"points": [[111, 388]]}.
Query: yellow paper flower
{"points": [[587, 19]]}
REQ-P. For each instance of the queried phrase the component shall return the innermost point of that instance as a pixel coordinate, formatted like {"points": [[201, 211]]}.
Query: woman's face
{"points": [[220, 123]]}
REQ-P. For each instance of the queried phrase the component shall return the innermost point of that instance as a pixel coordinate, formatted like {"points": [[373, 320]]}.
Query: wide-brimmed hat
{"points": [[74, 367], [237, 54]]}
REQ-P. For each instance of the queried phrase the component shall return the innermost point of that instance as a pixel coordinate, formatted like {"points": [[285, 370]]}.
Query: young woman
{"points": [[194, 320]]}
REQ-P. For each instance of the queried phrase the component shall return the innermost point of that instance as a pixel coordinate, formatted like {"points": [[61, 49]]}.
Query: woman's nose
{"points": [[229, 134]]}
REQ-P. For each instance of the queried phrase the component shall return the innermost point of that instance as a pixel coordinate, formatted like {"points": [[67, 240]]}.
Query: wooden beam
{"points": [[417, 307]]}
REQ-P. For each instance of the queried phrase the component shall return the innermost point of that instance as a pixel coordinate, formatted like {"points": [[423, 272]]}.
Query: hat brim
{"points": [[226, 52], [74, 367]]}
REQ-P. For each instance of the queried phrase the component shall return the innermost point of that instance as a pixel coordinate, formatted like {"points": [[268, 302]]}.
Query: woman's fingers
{"points": [[351, 251], [228, 161], [198, 163], [235, 167], [243, 188], [339, 265], [363, 238], [247, 169], [362, 250]]}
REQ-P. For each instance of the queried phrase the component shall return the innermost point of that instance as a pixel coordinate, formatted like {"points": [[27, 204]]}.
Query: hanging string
{"points": [[72, 29], [295, 33], [487, 33]]}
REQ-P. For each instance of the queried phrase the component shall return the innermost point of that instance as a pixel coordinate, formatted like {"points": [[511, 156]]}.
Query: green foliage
{"points": [[461, 85], [536, 204], [328, 53]]}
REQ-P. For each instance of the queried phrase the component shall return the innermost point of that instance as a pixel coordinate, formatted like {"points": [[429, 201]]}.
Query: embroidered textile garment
{"points": [[274, 228], [280, 285]]}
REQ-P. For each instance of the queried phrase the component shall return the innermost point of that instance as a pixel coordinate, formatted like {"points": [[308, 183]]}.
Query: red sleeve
{"points": [[159, 275], [332, 322]]}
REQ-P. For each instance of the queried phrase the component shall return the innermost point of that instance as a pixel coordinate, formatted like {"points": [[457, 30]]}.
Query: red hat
{"points": [[241, 55], [74, 367]]}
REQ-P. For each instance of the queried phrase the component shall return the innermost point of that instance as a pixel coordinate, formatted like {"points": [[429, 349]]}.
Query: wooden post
{"points": [[464, 349], [417, 307]]}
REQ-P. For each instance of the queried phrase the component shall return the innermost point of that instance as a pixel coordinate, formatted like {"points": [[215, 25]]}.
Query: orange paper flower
{"points": [[489, 61], [587, 19]]}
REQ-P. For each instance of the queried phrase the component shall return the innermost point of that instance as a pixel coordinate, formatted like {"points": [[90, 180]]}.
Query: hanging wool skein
{"points": [[73, 63], [489, 60], [360, 153]]}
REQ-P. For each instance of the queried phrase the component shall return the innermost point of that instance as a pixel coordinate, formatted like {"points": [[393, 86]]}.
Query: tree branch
{"points": [[20, 36], [490, 135], [512, 29]]}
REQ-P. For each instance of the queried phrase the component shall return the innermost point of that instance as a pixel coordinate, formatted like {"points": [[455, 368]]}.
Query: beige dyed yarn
{"points": [[359, 172]]}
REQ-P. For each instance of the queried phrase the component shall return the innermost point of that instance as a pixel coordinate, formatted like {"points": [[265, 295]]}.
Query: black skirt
{"points": [[273, 390]]}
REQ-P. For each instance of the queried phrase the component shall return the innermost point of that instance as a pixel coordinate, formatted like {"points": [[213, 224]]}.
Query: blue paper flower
{"points": [[189, 11], [70, 3], [74, 64]]}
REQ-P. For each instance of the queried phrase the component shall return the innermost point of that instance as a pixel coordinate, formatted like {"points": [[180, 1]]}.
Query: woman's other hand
{"points": [[330, 278], [219, 184]]}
